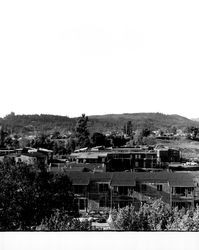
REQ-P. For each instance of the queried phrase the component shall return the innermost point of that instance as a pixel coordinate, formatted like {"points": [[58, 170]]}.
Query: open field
{"points": [[189, 148]]}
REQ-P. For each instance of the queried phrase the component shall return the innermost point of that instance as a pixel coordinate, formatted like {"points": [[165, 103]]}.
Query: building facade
{"points": [[102, 191]]}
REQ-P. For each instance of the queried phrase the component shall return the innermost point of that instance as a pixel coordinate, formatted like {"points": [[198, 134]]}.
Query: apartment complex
{"points": [[101, 191]]}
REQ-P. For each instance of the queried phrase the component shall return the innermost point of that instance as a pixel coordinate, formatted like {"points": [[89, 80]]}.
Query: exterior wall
{"points": [[82, 204], [149, 190], [96, 200], [162, 155], [106, 197], [196, 189], [80, 190], [56, 167], [183, 197], [130, 161], [123, 196], [168, 155], [174, 155], [32, 160], [28, 160]]}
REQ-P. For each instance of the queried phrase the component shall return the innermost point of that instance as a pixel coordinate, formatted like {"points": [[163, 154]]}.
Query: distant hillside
{"points": [[43, 122], [150, 120], [100, 123], [195, 119]]}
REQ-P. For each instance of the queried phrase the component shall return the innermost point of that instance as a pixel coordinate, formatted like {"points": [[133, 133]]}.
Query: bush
{"points": [[157, 216], [60, 221]]}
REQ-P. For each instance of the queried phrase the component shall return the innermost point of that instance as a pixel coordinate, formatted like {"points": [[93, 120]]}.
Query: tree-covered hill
{"points": [[99, 123], [42, 122], [150, 120]]}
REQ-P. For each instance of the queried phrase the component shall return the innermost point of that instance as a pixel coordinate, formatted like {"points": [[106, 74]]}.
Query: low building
{"points": [[131, 160], [63, 165], [35, 158], [119, 159], [167, 155], [89, 157]]}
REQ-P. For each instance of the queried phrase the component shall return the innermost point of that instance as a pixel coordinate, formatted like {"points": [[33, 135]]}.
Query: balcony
{"points": [[183, 196]]}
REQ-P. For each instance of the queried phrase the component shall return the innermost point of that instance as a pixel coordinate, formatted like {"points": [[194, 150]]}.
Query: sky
{"points": [[99, 57]]}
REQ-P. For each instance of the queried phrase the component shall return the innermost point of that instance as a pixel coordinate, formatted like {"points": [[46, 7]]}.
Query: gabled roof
{"points": [[101, 177], [174, 179], [76, 169], [130, 178], [123, 179], [79, 178], [34, 154], [181, 180], [150, 177]]}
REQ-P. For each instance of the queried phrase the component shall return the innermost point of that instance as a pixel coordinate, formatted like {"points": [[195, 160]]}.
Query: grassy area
{"points": [[189, 148]]}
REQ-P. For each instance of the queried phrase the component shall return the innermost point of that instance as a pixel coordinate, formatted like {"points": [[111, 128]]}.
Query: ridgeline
{"points": [[97, 123]]}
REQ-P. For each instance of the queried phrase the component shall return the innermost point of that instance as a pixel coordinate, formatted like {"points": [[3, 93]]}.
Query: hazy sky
{"points": [[96, 57]]}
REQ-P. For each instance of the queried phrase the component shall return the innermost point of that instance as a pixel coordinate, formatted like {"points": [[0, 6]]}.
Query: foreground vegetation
{"points": [[157, 216], [27, 196]]}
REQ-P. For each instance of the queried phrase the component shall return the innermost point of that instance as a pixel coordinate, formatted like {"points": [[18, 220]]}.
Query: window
{"points": [[123, 190], [81, 204], [78, 189], [180, 191], [159, 187], [143, 187], [189, 191], [103, 188], [102, 203]]}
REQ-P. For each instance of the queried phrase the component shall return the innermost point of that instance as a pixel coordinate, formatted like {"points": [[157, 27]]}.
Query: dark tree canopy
{"points": [[128, 128], [27, 196], [81, 132], [98, 139]]}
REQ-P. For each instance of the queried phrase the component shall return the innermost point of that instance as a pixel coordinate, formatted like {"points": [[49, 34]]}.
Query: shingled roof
{"points": [[79, 178], [123, 179], [174, 179], [129, 179]]}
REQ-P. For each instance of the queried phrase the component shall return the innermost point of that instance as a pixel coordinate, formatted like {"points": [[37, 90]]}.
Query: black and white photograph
{"points": [[99, 123]]}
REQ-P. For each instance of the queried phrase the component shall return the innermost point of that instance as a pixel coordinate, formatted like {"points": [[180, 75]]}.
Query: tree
{"points": [[157, 216], [60, 221], [42, 141], [98, 139], [174, 130], [56, 135], [81, 132], [27, 196], [3, 136], [146, 132], [193, 132], [149, 140], [128, 128], [137, 138], [118, 141], [70, 147]]}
